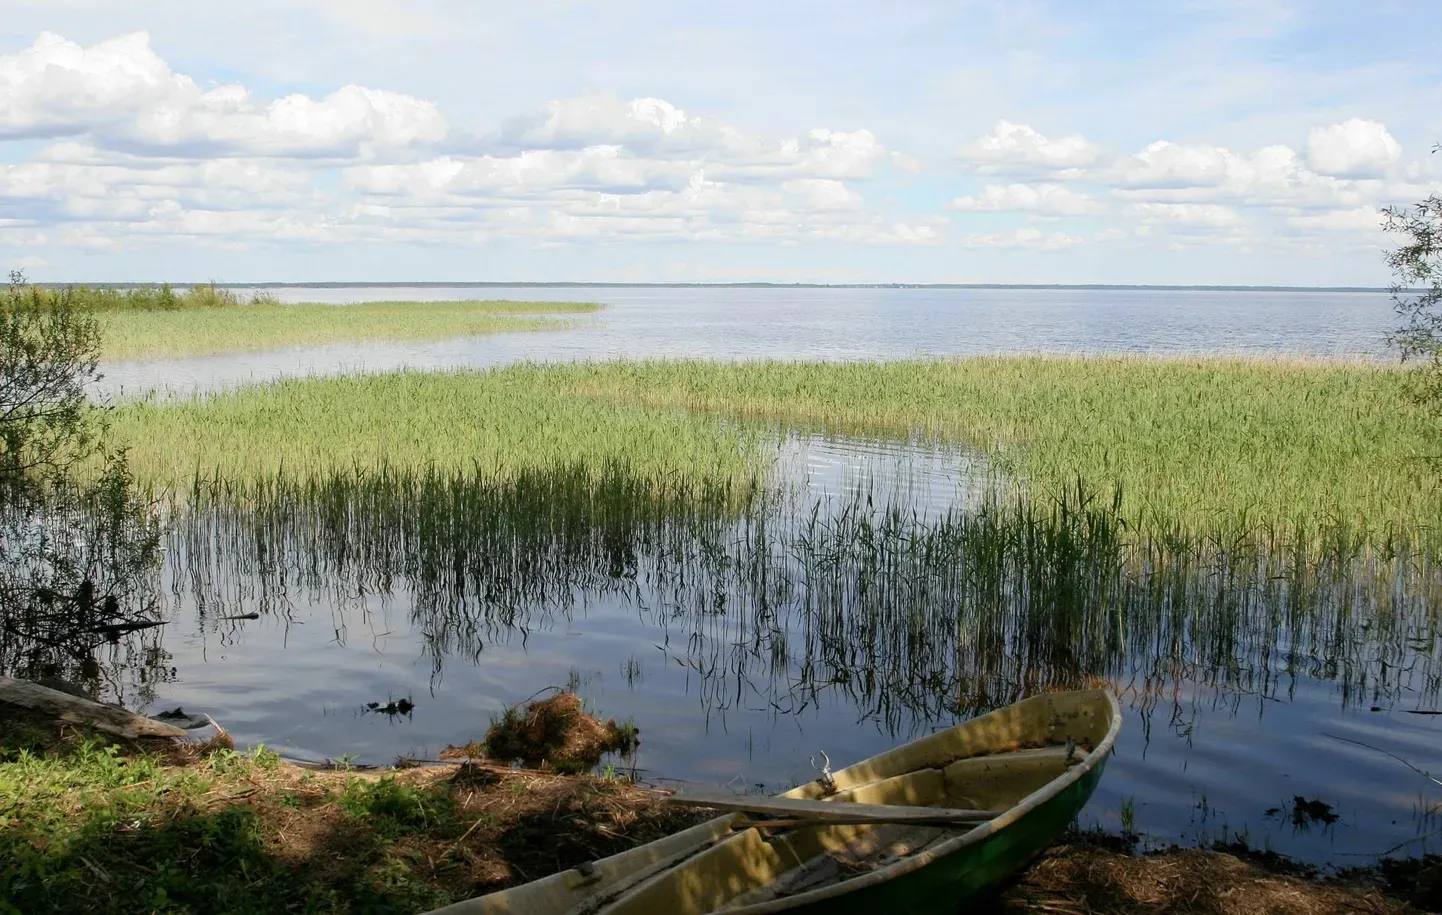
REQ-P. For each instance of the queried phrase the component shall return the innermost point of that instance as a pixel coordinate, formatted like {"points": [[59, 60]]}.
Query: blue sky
{"points": [[1197, 141]]}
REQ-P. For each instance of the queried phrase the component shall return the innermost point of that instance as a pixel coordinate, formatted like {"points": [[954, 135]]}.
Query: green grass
{"points": [[161, 333], [1196, 446], [88, 826], [492, 424], [1200, 443]]}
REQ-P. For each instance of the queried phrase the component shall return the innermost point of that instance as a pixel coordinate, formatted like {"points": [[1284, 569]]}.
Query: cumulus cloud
{"points": [[1353, 149], [1206, 215], [123, 95], [1164, 164], [143, 152], [1361, 221], [653, 127], [596, 119], [1182, 194], [1029, 237], [1019, 148], [1271, 176], [1042, 199]]}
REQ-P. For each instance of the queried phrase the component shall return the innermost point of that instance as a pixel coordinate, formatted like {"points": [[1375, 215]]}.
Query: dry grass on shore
{"points": [[1088, 878]]}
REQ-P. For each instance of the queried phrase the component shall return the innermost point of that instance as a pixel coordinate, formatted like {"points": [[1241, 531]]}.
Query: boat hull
{"points": [[1001, 761], [970, 872]]}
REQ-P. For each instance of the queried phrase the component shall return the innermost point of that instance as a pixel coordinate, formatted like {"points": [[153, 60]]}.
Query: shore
{"points": [[109, 825]]}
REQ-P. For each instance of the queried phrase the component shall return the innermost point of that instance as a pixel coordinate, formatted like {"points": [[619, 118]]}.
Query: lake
{"points": [[826, 324], [871, 595]]}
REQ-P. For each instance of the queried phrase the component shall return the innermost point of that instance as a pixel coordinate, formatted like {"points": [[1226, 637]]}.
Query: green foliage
{"points": [[47, 357], [393, 809], [1417, 293], [75, 556], [143, 298]]}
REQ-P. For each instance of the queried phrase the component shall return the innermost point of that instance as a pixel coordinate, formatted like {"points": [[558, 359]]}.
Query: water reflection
{"points": [[912, 616], [856, 604]]}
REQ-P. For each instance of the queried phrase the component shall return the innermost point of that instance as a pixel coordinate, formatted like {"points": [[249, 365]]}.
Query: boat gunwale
{"points": [[923, 859]]}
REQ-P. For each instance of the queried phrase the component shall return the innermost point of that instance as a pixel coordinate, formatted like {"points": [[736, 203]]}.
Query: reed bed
{"points": [[489, 426], [163, 297], [1221, 445], [136, 334], [1299, 452], [913, 618]]}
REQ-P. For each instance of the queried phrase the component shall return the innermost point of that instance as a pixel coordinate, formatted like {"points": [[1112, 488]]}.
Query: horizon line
{"points": [[481, 284]]}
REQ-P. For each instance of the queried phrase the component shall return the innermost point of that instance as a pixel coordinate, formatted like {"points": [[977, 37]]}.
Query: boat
{"points": [[923, 827]]}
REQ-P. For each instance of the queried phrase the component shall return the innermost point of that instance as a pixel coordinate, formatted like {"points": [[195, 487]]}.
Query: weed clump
{"points": [[558, 734]]}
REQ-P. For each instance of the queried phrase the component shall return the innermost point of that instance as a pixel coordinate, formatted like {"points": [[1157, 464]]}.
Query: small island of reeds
{"points": [[157, 322]]}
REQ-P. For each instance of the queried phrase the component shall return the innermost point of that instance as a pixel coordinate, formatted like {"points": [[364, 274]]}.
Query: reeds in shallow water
{"points": [[913, 616], [1277, 451]]}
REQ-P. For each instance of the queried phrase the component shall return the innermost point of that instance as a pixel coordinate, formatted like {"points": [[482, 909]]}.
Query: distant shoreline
{"points": [[569, 285]]}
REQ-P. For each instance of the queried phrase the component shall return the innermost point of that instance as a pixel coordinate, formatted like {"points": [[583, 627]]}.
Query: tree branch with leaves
{"points": [[1417, 291]]}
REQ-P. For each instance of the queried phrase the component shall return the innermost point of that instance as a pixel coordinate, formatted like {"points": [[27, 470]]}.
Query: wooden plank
{"points": [[52, 703], [828, 811]]}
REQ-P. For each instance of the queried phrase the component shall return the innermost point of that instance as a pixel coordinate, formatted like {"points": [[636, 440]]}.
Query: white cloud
{"points": [[1271, 176], [122, 95], [1356, 148], [1205, 215], [823, 193], [1042, 199], [1019, 148], [641, 123], [142, 153], [655, 127], [1029, 237], [1164, 164], [1361, 221]]}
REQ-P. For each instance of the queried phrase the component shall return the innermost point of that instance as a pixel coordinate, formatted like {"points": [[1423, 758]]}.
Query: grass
{"points": [[1200, 443], [86, 825], [1195, 446], [493, 425], [133, 334]]}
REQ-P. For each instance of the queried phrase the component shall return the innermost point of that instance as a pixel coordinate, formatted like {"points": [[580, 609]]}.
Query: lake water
{"points": [[829, 621], [826, 324]]}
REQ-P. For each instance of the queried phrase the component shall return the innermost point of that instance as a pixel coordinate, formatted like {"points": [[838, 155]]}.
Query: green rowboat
{"points": [[923, 827]]}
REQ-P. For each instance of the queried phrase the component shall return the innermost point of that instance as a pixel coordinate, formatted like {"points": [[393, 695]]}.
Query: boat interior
{"points": [[993, 763]]}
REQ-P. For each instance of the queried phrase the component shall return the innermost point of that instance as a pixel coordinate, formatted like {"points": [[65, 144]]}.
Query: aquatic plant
{"points": [[152, 333], [914, 617], [1278, 451]]}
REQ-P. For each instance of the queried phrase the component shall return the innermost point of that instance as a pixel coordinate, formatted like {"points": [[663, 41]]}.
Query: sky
{"points": [[1188, 142]]}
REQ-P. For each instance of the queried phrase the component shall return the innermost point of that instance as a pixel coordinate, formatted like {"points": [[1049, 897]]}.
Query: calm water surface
{"points": [[742, 647], [827, 324]]}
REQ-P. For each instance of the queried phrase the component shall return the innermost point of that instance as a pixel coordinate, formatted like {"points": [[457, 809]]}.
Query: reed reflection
{"points": [[914, 615]]}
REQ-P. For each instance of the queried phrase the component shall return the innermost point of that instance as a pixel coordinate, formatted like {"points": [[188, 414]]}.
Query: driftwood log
{"points": [[52, 703]]}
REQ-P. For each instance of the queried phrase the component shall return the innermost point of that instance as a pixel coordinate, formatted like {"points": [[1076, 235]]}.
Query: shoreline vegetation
{"points": [[1107, 465], [1280, 451], [159, 322], [131, 827]]}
